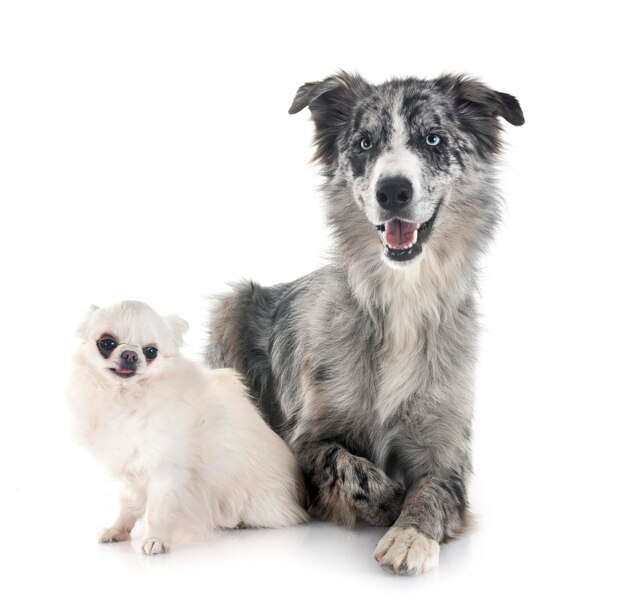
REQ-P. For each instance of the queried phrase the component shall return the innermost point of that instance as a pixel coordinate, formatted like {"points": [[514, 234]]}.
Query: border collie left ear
{"points": [[331, 102]]}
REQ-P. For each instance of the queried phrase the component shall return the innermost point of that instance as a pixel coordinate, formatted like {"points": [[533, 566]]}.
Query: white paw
{"points": [[153, 545], [112, 534], [407, 552]]}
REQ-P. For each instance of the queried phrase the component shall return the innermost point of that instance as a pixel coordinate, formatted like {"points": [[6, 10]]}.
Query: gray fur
{"points": [[365, 366]]}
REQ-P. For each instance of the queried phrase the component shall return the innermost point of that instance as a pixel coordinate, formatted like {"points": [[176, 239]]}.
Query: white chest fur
{"points": [[402, 340], [413, 303], [134, 442], [398, 360]]}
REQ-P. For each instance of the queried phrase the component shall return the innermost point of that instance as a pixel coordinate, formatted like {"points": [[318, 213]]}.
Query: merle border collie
{"points": [[365, 366]]}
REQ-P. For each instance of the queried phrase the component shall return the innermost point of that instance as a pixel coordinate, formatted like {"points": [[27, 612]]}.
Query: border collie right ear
{"points": [[479, 107], [331, 102]]}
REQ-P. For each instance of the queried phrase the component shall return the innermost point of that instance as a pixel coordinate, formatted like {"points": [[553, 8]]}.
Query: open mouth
{"points": [[123, 372], [403, 240]]}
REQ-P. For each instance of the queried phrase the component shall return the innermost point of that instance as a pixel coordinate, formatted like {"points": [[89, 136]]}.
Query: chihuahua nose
{"points": [[129, 356]]}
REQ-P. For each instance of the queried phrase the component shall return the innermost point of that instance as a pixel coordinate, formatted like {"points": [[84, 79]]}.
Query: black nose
{"points": [[129, 356], [394, 193]]}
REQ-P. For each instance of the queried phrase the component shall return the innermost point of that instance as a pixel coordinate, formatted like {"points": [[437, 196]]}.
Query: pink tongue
{"points": [[398, 233], [124, 370]]}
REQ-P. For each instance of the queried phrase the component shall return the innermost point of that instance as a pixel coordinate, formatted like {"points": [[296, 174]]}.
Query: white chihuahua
{"points": [[186, 443]]}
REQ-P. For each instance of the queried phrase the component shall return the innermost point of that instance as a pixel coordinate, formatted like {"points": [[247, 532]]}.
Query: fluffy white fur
{"points": [[186, 443]]}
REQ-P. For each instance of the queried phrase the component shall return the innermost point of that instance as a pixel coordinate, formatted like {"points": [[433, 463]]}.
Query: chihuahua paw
{"points": [[110, 535], [407, 552], [153, 545]]}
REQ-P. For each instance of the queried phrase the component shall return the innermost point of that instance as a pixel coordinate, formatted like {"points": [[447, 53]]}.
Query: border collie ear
{"points": [[81, 331], [511, 109], [478, 107], [472, 93], [331, 102], [178, 326], [309, 92]]}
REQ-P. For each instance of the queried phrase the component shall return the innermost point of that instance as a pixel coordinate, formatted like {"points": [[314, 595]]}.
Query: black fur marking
{"points": [[412, 106], [310, 479], [358, 162], [322, 373], [256, 365], [362, 479], [357, 119], [330, 465]]}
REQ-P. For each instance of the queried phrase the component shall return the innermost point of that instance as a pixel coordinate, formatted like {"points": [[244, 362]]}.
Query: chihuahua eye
{"points": [[106, 345], [150, 352]]}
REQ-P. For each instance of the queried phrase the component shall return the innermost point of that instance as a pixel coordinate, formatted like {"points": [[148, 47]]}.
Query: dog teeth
{"points": [[406, 245]]}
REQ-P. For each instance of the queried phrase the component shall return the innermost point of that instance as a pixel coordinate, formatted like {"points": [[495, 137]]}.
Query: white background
{"points": [[146, 152]]}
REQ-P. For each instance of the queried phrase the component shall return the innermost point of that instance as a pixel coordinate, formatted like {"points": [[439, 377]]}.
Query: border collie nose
{"points": [[394, 193], [129, 356]]}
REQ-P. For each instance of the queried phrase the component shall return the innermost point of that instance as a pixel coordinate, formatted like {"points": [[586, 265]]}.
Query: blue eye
{"points": [[433, 139], [366, 144]]}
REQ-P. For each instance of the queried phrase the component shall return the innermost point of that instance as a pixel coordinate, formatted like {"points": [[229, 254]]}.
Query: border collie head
{"points": [[414, 156]]}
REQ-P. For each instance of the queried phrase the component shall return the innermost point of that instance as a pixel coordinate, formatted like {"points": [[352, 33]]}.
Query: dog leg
{"points": [[434, 511], [132, 507], [159, 518], [345, 488]]}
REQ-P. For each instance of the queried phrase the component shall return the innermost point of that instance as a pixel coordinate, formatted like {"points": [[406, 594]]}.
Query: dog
{"points": [[365, 367], [186, 443]]}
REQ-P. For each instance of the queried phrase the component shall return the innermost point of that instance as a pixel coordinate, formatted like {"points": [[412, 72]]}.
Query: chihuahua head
{"points": [[130, 341]]}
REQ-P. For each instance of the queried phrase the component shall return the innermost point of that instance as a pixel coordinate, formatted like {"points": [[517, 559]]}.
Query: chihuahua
{"points": [[186, 444]]}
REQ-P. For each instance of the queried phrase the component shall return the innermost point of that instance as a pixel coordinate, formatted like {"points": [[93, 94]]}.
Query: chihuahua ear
{"points": [[81, 331], [178, 326]]}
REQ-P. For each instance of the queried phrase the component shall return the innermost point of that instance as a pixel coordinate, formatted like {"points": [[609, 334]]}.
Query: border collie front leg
{"points": [[435, 510], [345, 488]]}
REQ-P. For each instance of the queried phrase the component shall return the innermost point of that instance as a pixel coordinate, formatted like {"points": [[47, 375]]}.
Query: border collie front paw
{"points": [[407, 552]]}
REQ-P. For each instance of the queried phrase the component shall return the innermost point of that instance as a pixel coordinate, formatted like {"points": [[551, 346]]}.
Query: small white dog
{"points": [[186, 443]]}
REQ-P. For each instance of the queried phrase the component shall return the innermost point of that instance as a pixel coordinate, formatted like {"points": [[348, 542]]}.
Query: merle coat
{"points": [[365, 367]]}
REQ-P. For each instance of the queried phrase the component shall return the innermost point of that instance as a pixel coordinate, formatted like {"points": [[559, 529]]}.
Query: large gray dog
{"points": [[365, 366]]}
